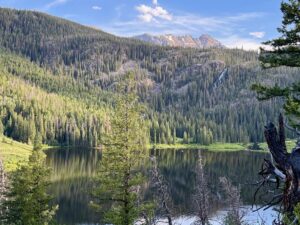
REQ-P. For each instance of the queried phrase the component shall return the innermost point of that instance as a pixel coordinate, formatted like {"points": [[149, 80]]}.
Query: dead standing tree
{"points": [[235, 214], [283, 169], [202, 194], [162, 191]]}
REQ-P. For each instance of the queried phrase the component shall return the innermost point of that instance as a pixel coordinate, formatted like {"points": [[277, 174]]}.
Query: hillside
{"points": [[57, 77]]}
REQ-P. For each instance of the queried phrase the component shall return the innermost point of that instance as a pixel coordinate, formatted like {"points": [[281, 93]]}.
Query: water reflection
{"points": [[73, 170], [72, 173]]}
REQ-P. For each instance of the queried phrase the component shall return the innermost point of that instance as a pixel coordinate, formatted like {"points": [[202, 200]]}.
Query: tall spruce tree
{"points": [[27, 199], [285, 52], [124, 149]]}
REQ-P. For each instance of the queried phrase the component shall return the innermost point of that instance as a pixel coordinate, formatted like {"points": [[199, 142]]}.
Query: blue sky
{"points": [[236, 23]]}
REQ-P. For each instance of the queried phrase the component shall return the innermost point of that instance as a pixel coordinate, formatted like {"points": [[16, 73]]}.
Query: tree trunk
{"points": [[284, 166]]}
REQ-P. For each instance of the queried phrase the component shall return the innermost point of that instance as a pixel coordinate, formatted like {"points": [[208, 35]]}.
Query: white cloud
{"points": [[149, 14], [95, 7], [54, 4], [154, 2], [257, 34], [246, 16], [146, 17]]}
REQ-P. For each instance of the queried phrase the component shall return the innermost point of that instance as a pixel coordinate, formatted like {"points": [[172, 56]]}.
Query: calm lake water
{"points": [[73, 170]]}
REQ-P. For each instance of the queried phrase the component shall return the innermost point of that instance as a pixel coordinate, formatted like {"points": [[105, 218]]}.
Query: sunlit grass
{"points": [[13, 153], [218, 146], [290, 144]]}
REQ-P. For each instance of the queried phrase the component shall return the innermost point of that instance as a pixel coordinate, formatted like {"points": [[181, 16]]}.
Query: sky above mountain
{"points": [[236, 23]]}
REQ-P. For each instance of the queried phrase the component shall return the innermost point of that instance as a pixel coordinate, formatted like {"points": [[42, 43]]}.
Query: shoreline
{"points": [[14, 153]]}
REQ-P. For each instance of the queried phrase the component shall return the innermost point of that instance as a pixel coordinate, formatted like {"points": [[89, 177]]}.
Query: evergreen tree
{"points": [[286, 52], [27, 198], [37, 145], [124, 149], [185, 138], [1, 128]]}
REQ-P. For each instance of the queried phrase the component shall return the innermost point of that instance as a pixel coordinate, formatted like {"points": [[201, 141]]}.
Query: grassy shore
{"points": [[290, 144], [219, 146], [13, 153], [212, 147]]}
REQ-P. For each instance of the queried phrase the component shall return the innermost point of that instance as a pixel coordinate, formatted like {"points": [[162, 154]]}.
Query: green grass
{"points": [[13, 153], [290, 144], [218, 146]]}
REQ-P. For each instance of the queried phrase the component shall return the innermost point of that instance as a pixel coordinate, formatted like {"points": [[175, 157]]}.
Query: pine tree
{"points": [[124, 149], [27, 198], [286, 52], [185, 138], [37, 142]]}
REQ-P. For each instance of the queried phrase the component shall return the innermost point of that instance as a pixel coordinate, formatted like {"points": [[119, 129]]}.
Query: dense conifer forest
{"points": [[58, 80]]}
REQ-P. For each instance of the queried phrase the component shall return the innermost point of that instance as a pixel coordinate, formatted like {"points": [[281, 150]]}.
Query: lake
{"points": [[74, 168]]}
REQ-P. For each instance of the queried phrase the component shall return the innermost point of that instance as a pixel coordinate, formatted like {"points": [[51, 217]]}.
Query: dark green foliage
{"points": [[286, 52], [27, 200], [37, 145], [79, 67], [29, 107], [124, 148], [255, 146]]}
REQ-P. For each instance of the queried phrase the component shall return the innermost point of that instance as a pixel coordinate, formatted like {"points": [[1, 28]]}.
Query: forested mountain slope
{"points": [[199, 95], [35, 104]]}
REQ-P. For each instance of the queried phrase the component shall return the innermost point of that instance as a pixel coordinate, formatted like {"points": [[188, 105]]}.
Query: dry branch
{"points": [[284, 168]]}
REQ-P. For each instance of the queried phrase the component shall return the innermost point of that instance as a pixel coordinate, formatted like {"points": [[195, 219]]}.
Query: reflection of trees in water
{"points": [[178, 167], [73, 198], [72, 163], [73, 171]]}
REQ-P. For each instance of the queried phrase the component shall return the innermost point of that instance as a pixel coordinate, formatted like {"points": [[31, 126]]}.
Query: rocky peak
{"points": [[185, 41]]}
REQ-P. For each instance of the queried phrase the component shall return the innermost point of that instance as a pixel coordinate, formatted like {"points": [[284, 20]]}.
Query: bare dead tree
{"points": [[233, 200], [163, 196], [283, 170], [202, 194]]}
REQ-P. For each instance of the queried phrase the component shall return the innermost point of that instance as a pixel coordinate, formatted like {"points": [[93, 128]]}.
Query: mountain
{"points": [[186, 41], [58, 80]]}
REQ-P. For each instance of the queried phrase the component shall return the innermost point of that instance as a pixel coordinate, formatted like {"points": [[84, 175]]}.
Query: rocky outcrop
{"points": [[186, 41]]}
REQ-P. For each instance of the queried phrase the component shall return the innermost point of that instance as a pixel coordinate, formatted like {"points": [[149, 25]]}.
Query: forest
{"points": [[52, 61]]}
